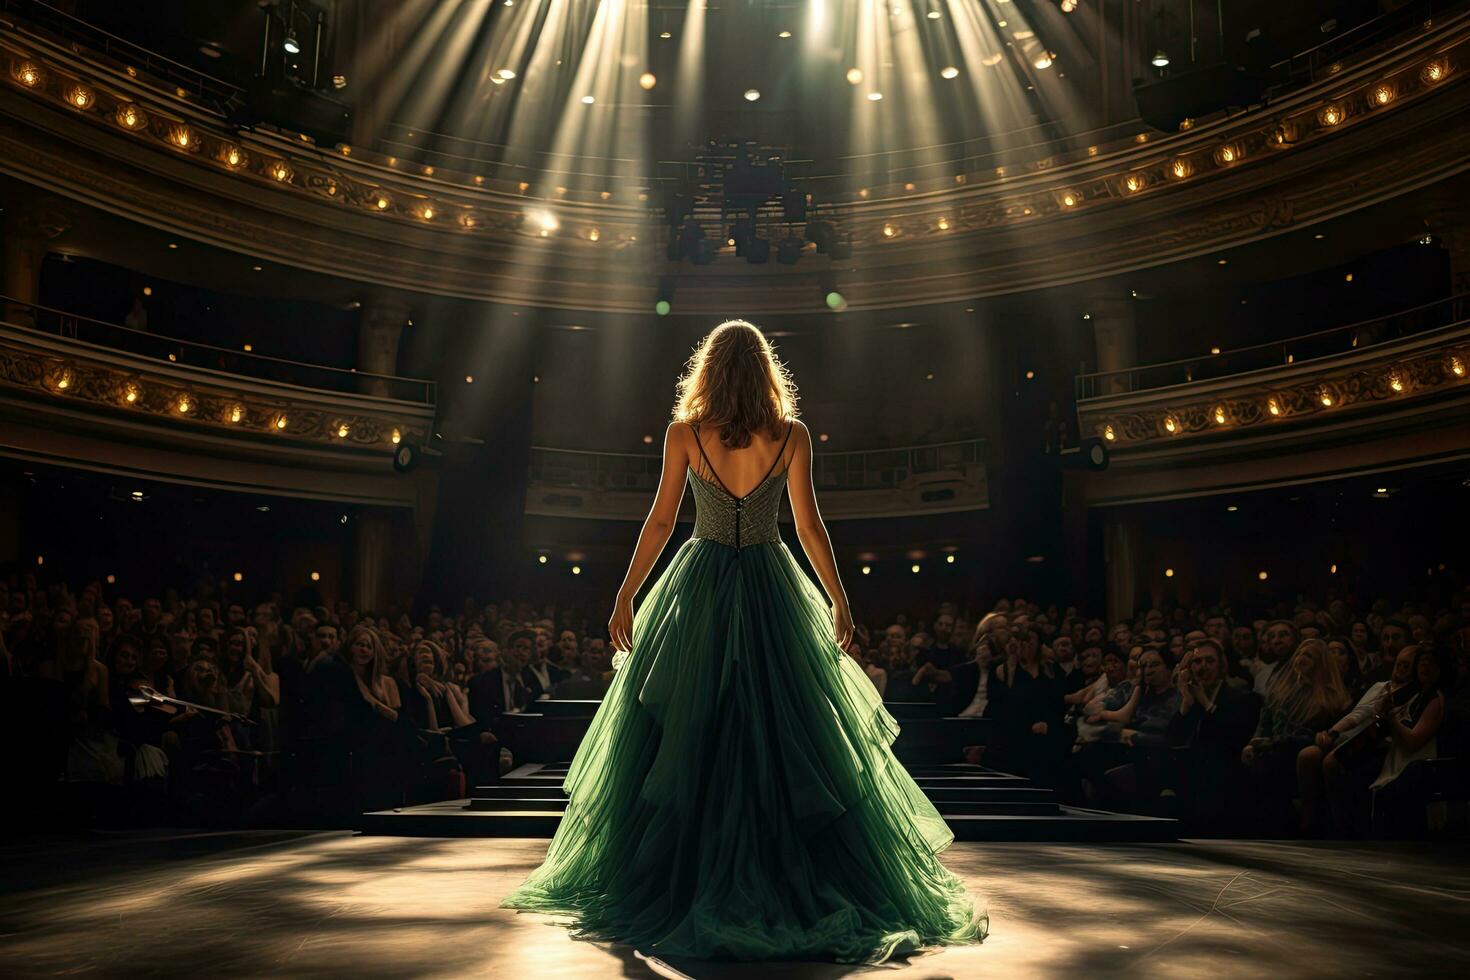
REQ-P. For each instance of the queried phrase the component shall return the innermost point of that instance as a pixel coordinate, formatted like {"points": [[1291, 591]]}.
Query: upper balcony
{"points": [[1384, 121], [80, 392], [1366, 397], [905, 481]]}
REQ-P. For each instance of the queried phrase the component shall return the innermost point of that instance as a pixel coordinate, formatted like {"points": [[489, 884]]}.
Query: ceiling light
{"points": [[588, 100], [647, 80], [854, 76], [290, 44], [752, 94], [948, 71], [875, 96], [1160, 59]]}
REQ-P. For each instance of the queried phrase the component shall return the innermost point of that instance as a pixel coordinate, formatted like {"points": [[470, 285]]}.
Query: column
{"points": [[372, 535], [1122, 543], [1115, 336], [378, 334], [26, 232]]}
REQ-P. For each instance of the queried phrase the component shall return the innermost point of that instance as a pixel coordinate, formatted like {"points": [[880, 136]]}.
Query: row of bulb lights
{"points": [[915, 568], [1327, 397], [62, 379], [183, 137]]}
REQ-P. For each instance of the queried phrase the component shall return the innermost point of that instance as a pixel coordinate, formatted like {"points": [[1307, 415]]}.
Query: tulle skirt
{"points": [[737, 796]]}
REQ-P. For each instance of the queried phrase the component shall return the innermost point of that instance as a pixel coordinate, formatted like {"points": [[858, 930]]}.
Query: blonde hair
{"points": [[379, 667], [1328, 693], [735, 383]]}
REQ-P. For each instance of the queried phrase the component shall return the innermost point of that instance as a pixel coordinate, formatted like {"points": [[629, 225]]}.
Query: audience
{"points": [[1336, 718]]}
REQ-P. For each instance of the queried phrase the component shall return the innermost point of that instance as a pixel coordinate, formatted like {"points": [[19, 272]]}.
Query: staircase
{"points": [[977, 803]]}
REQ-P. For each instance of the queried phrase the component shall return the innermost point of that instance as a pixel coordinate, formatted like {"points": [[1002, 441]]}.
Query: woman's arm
{"points": [[810, 530], [459, 705], [658, 527], [1412, 739]]}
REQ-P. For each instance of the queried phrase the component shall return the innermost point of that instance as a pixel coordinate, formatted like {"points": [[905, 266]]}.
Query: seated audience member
{"points": [[1347, 665], [1037, 742], [1213, 724], [970, 689], [537, 676], [584, 680], [1304, 698], [433, 703], [1393, 636], [1408, 729], [1279, 641], [1146, 718]]}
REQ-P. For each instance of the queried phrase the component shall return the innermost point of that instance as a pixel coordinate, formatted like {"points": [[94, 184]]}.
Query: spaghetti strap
{"points": [[709, 464]]}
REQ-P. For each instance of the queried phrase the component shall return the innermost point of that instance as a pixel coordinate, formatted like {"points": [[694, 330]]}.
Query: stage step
{"points": [[977, 803]]}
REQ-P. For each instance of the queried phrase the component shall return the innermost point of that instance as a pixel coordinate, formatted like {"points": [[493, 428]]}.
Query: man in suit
{"points": [[537, 673], [1214, 722]]}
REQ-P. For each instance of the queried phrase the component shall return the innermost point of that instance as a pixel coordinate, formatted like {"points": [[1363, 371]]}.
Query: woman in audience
{"points": [[430, 701], [1397, 794], [1304, 697]]}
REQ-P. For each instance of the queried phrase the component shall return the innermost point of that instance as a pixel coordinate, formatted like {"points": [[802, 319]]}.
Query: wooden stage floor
{"points": [[338, 905]]}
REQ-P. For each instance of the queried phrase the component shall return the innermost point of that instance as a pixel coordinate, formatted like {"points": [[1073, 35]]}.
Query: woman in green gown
{"points": [[736, 796]]}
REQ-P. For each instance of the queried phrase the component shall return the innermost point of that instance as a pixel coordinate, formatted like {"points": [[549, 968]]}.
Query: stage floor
{"points": [[337, 905]]}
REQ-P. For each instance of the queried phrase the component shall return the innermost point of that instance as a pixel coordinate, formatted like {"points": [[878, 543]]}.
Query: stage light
{"points": [[1044, 60], [290, 44], [80, 97], [1395, 382], [1109, 434], [1160, 59], [949, 559], [130, 116], [238, 576], [854, 76], [1273, 406], [183, 404], [543, 221], [752, 95], [131, 393], [1168, 573], [576, 569], [942, 224], [1433, 72], [506, 74], [1331, 115], [138, 495], [1382, 95], [237, 412], [29, 75], [914, 569], [469, 379], [875, 96], [835, 301], [1332, 570], [949, 71], [588, 100], [316, 576], [339, 81], [867, 570], [281, 422], [1068, 6], [342, 430], [889, 231], [1262, 576], [662, 307], [541, 559], [784, 34], [1171, 425], [647, 80]]}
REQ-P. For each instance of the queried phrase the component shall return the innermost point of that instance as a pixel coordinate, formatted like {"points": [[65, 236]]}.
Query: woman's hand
{"points": [[620, 627], [842, 625]]}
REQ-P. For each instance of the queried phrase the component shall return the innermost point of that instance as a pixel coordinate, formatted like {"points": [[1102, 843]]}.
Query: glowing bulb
{"points": [[1395, 382], [576, 569], [396, 437], [505, 74], [1133, 183], [914, 569], [1457, 367], [943, 224], [280, 172], [239, 576], [469, 379], [1180, 169], [131, 393], [662, 307], [752, 94], [588, 100], [80, 97], [233, 156], [281, 421], [593, 234], [949, 71], [854, 76], [1331, 116], [381, 203], [184, 404], [889, 231], [1109, 434], [1168, 573], [29, 75], [1273, 406], [1382, 95], [647, 80], [949, 559], [1160, 59], [1069, 199], [1219, 416], [130, 116], [182, 137], [1171, 425], [1044, 60], [784, 35], [875, 96], [316, 576], [236, 413], [1227, 154], [1433, 72], [427, 213], [867, 569], [1262, 576], [1325, 398]]}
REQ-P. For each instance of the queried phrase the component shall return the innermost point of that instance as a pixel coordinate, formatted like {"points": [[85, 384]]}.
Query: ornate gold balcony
{"points": [[81, 392], [1383, 125], [1367, 397]]}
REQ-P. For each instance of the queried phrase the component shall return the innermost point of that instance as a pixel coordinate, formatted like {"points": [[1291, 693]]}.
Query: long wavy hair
{"points": [[735, 383], [1325, 692]]}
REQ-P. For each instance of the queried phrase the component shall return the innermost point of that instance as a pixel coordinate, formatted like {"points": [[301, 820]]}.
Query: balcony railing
{"points": [[868, 469], [1277, 353], [191, 354]]}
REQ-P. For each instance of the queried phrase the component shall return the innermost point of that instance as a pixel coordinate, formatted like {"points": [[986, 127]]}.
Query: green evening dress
{"points": [[736, 796]]}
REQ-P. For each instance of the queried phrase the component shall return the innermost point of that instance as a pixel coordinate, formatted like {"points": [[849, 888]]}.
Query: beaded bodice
{"points": [[737, 521]]}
